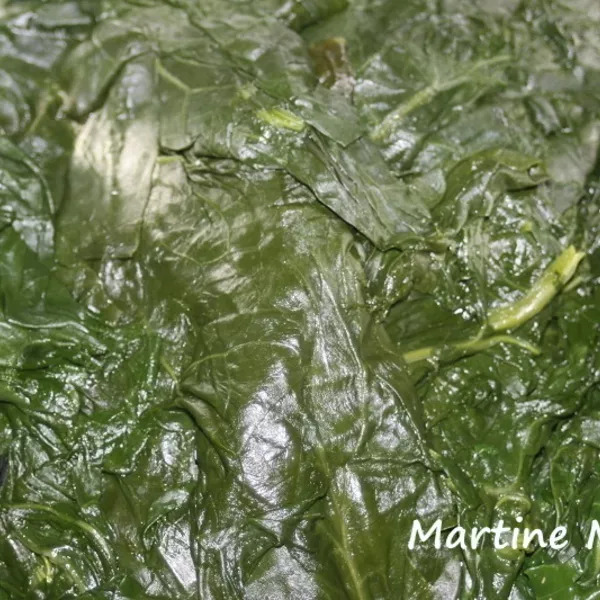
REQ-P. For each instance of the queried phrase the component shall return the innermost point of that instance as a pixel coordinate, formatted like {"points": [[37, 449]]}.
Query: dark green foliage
{"points": [[279, 277]]}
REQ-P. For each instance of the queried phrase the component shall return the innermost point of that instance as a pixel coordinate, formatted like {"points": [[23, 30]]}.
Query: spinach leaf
{"points": [[280, 277]]}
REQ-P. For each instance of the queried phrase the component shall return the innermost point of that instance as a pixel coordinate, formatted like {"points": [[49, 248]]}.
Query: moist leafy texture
{"points": [[279, 277]]}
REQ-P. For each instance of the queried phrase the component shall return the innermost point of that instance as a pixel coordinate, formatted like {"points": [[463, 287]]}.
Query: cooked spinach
{"points": [[280, 277]]}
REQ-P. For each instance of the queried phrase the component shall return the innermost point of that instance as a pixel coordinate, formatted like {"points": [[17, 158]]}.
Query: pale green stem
{"points": [[469, 346], [539, 296], [425, 95], [282, 119], [513, 315]]}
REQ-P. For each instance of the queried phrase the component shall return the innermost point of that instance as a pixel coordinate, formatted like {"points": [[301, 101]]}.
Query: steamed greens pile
{"points": [[278, 278]]}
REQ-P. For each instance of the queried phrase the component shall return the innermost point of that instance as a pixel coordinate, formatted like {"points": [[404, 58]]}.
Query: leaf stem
{"points": [[426, 94], [513, 315], [558, 273], [469, 346]]}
